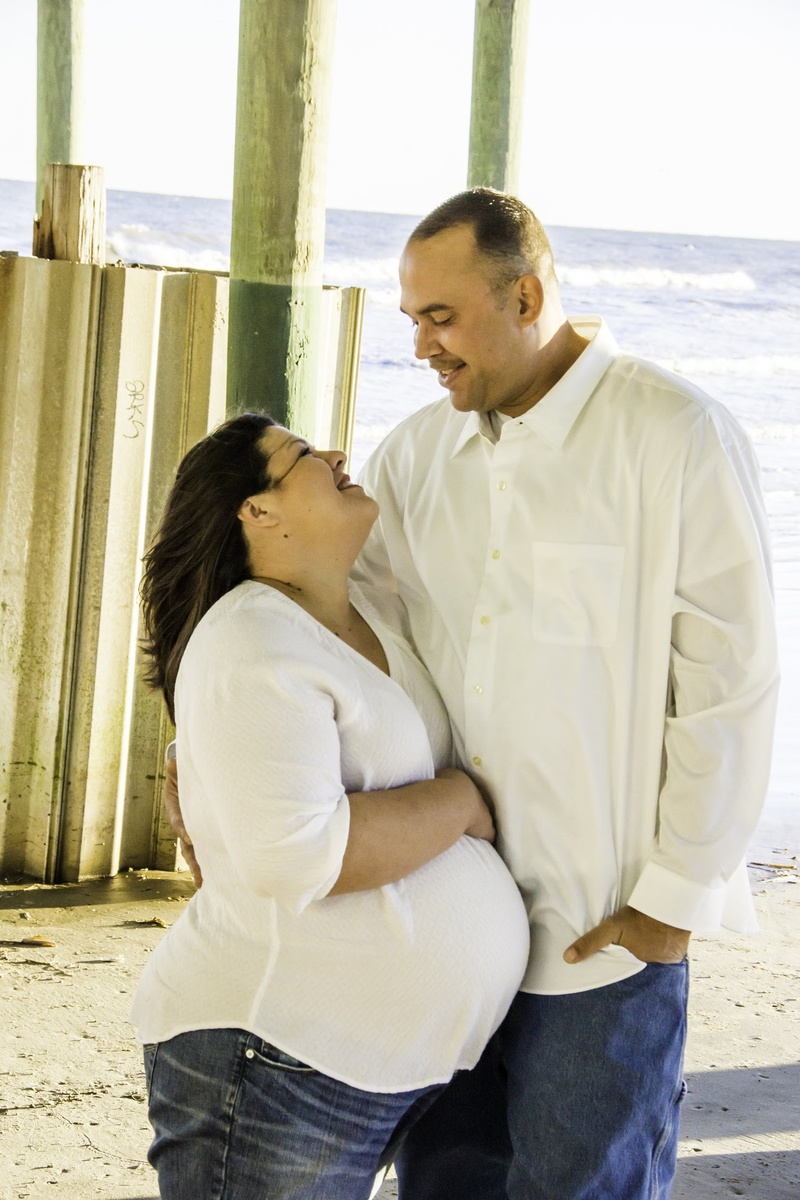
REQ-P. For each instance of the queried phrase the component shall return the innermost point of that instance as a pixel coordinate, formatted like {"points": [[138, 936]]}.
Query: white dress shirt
{"points": [[388, 989], [589, 585]]}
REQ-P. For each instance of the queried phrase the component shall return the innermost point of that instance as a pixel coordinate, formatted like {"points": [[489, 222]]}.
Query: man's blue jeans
{"points": [[237, 1119], [575, 1098]]}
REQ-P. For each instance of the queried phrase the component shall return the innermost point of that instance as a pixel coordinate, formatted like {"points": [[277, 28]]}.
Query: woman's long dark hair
{"points": [[200, 552]]}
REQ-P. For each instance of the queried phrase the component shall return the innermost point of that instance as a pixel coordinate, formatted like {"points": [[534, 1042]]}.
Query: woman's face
{"points": [[311, 491]]}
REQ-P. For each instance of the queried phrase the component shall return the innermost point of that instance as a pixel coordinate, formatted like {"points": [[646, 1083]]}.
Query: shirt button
{"points": [[249, 1053], [495, 554], [477, 689], [476, 760], [485, 620], [502, 485]]}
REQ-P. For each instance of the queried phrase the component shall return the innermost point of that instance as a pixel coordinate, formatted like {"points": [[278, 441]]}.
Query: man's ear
{"points": [[252, 512], [529, 296]]}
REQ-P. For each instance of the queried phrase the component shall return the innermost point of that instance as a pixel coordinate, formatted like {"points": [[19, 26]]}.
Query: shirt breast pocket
{"points": [[576, 593]]}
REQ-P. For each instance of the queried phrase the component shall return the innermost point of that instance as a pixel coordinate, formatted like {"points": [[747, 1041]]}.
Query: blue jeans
{"points": [[575, 1098], [237, 1119]]}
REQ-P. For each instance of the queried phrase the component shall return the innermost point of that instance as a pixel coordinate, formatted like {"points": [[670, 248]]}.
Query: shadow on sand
{"points": [[759, 1176], [125, 888], [755, 1113]]}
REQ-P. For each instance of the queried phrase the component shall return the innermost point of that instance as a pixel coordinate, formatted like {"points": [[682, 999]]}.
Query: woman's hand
{"points": [[480, 821], [395, 831]]}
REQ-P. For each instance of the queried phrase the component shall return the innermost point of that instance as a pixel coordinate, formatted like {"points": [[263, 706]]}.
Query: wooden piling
{"points": [[498, 78], [59, 86], [71, 225], [278, 229]]}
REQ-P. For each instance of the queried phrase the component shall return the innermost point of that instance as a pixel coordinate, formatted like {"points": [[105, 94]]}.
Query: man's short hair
{"points": [[505, 229]]}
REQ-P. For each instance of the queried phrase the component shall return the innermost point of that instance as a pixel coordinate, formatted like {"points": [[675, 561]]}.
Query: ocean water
{"points": [[724, 312]]}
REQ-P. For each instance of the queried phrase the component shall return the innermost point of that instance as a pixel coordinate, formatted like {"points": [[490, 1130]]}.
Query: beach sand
{"points": [[73, 1117]]}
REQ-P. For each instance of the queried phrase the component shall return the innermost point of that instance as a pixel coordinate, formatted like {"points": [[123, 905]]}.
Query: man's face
{"points": [[474, 337]]}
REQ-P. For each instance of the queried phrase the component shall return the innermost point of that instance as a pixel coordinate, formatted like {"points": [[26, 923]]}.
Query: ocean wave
{"points": [[141, 244], [384, 297], [208, 250], [772, 431], [380, 276], [655, 277], [380, 361], [756, 366], [361, 272]]}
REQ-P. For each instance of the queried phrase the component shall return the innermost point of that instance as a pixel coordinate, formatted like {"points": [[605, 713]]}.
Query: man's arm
{"points": [[172, 805], [718, 740]]}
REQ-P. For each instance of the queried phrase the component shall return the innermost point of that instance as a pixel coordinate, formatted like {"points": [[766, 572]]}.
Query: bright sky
{"points": [[680, 115]]}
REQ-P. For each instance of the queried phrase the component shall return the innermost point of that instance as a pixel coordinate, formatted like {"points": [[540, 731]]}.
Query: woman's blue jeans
{"points": [[237, 1119], [576, 1097]]}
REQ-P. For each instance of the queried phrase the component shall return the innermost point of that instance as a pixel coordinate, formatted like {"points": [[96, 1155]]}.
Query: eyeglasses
{"points": [[303, 453]]}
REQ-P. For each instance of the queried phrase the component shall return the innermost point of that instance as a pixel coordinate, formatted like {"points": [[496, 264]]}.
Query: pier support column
{"points": [[71, 225], [498, 81], [59, 87], [277, 238]]}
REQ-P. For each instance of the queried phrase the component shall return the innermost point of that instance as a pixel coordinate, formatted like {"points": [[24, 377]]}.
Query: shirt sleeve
{"points": [[263, 747], [723, 684]]}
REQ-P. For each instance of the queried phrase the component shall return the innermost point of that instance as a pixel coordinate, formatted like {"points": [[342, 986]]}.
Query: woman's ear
{"points": [[252, 512]]}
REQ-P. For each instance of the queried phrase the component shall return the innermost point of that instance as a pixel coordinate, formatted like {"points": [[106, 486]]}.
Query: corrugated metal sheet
{"points": [[108, 375], [49, 314]]}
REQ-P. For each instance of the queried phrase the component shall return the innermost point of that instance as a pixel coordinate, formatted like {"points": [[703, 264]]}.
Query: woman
{"points": [[356, 939]]}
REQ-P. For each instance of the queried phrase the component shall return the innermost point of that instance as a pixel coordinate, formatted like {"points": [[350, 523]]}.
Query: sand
{"points": [[73, 1120]]}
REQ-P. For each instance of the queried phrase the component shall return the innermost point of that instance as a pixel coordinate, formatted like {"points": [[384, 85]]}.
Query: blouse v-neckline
{"points": [[358, 604]]}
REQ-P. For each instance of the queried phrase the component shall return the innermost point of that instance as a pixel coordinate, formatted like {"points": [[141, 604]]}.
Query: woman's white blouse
{"points": [[389, 989]]}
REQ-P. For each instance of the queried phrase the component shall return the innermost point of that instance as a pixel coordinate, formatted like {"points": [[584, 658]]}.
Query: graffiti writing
{"points": [[135, 390]]}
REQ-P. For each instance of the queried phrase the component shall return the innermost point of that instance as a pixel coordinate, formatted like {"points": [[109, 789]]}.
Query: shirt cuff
{"points": [[678, 901], [306, 873], [170, 754]]}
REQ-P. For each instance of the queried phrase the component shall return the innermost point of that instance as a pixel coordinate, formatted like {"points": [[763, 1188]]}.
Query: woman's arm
{"points": [[396, 831], [392, 832]]}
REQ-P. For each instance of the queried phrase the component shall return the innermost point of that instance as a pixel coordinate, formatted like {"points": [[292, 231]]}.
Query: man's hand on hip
{"points": [[647, 939]]}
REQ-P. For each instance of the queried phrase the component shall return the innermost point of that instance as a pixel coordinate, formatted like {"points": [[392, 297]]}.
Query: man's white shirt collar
{"points": [[554, 415]]}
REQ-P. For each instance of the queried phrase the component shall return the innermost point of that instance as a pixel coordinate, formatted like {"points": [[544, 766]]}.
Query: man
{"points": [[580, 550]]}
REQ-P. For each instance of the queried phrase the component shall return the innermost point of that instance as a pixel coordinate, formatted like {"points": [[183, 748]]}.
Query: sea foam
{"points": [[655, 277], [758, 366]]}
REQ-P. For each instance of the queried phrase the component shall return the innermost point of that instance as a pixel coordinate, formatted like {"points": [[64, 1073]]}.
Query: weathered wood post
{"points": [[277, 239], [498, 81], [71, 225], [59, 86]]}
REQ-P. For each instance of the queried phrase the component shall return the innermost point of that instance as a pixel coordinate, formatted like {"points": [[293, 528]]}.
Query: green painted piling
{"points": [[498, 78], [278, 230], [59, 86]]}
